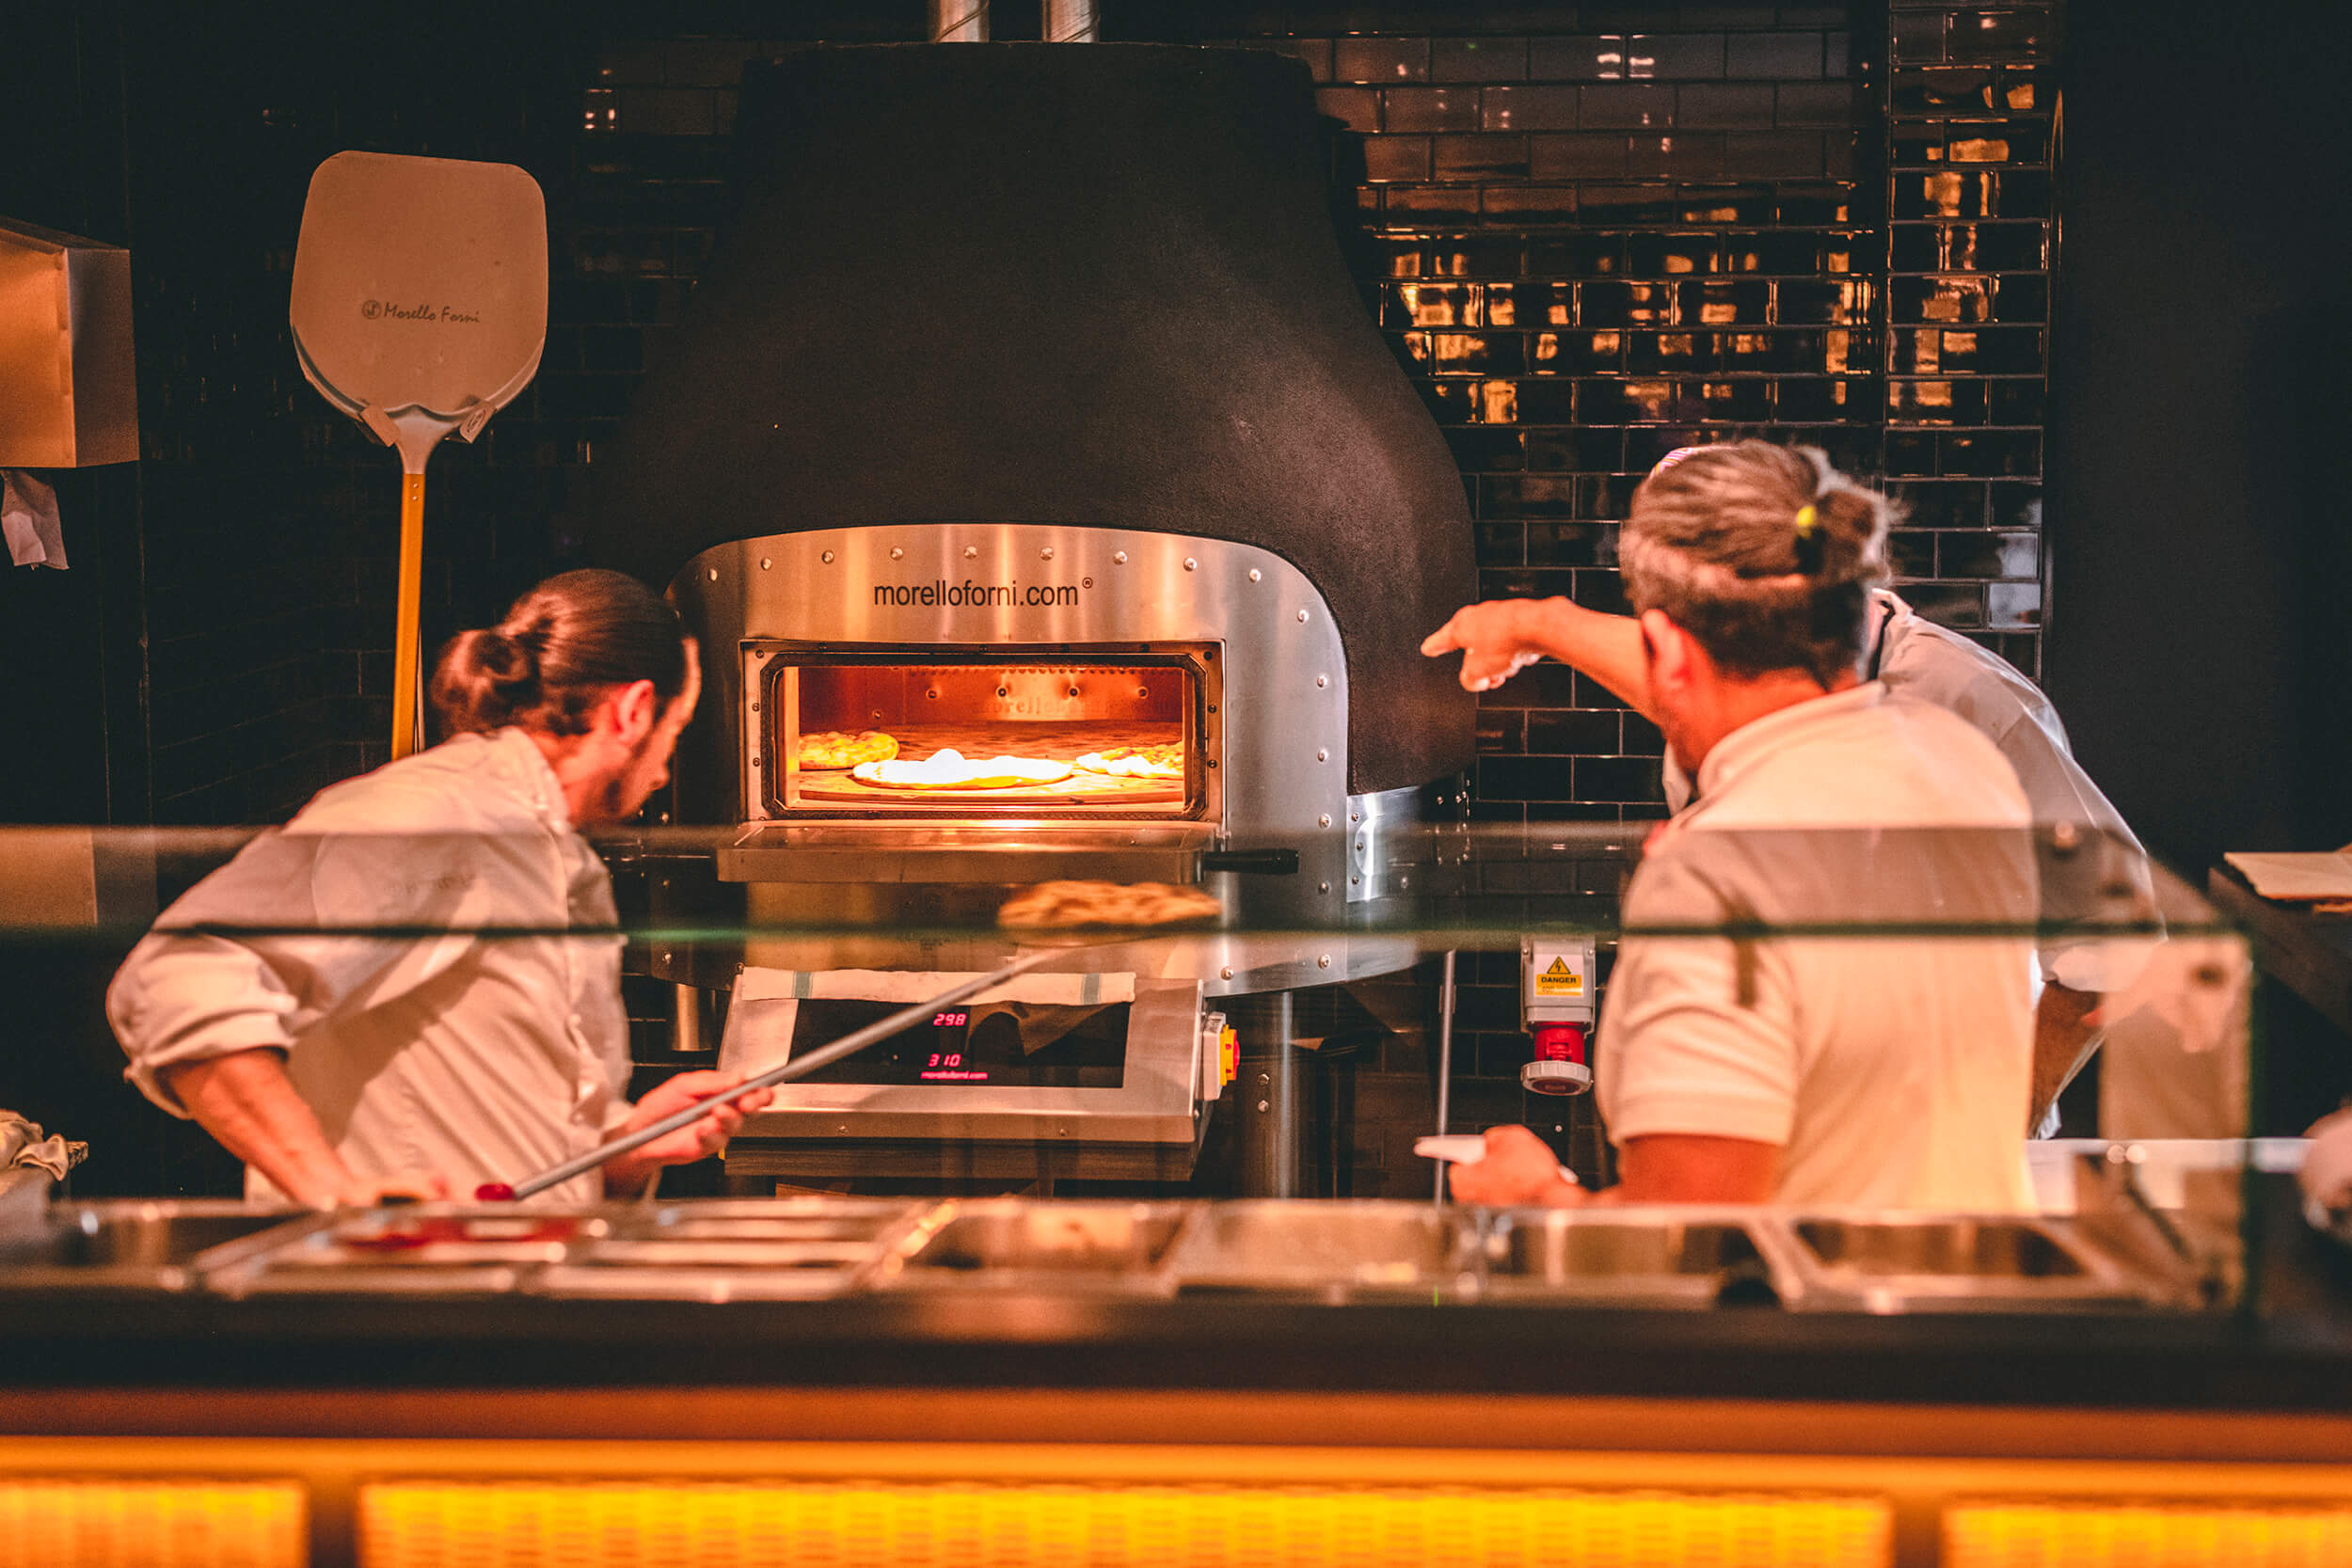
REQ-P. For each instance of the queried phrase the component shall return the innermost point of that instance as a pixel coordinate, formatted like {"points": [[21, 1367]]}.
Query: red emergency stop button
{"points": [[1559, 1066], [1560, 1043]]}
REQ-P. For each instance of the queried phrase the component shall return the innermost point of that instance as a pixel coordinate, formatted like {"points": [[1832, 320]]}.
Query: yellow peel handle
{"points": [[407, 721]]}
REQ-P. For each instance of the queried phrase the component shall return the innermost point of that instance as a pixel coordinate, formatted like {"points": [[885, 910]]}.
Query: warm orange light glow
{"points": [[2091, 1535], [156, 1524], [715, 1524], [1981, 150]]}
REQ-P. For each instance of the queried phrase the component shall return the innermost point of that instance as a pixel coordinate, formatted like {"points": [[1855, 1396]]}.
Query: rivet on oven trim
{"points": [[1323, 887], [1046, 554], [714, 574], [1119, 558], [971, 552], [1323, 820], [1225, 973], [1302, 617], [765, 562], [1256, 576], [1322, 755], [1323, 961], [826, 556], [1190, 564], [1322, 681], [897, 553]]}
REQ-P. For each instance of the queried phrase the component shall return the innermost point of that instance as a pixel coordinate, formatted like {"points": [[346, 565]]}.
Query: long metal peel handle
{"points": [[784, 1072], [407, 647]]}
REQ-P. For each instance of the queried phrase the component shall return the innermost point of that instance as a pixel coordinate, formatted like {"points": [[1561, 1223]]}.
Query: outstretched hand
{"points": [[1493, 639]]}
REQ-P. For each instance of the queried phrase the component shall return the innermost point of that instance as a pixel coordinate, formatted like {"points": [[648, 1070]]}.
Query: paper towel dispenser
{"points": [[69, 398]]}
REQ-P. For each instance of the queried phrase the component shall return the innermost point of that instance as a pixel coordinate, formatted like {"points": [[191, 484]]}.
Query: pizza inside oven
{"points": [[895, 734], [1135, 762], [832, 751]]}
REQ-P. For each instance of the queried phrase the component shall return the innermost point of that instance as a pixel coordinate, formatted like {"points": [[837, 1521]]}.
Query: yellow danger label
{"points": [[1559, 980]]}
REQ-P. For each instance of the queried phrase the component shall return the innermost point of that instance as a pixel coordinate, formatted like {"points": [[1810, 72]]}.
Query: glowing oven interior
{"points": [[1136, 729]]}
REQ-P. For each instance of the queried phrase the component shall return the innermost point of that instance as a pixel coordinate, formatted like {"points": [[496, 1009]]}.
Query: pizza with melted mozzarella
{"points": [[1135, 762], [948, 769], [829, 750]]}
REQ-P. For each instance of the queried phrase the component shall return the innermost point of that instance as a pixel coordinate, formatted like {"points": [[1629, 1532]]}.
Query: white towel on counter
{"points": [[22, 1143], [28, 515]]}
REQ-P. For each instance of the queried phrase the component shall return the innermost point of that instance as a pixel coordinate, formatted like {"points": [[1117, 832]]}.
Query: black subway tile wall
{"points": [[1600, 234]]}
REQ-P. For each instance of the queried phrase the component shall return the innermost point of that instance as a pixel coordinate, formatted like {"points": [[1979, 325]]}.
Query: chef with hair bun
{"points": [[374, 1034]]}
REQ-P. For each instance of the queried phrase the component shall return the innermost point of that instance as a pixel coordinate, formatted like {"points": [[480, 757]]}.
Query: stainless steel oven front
{"points": [[1043, 641]]}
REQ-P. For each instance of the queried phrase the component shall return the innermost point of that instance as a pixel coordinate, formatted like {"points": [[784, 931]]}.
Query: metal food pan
{"points": [[1879, 1261], [1632, 1257], [426, 1248], [138, 1243], [1050, 1246], [1327, 1247]]}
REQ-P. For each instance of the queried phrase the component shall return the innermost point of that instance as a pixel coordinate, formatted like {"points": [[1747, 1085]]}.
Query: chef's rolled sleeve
{"points": [[182, 999]]}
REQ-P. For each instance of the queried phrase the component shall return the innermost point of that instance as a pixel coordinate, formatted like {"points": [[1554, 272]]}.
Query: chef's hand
{"points": [[1519, 1171], [694, 1141], [2327, 1172], [1494, 641]]}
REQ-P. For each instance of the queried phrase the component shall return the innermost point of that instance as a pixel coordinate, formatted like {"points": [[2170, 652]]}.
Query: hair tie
{"points": [[1808, 541]]}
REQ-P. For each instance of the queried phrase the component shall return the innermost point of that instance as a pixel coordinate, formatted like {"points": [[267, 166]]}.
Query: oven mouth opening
{"points": [[1098, 732]]}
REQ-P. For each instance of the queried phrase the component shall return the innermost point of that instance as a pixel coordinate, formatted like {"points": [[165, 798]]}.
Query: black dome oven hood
{"points": [[1093, 286]]}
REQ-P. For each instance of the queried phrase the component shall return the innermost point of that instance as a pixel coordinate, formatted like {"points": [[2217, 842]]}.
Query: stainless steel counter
{"points": [[1338, 1253]]}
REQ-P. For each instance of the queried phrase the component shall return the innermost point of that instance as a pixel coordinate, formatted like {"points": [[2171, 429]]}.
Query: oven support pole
{"points": [[1445, 1063], [1269, 1096], [1286, 1107], [958, 21]]}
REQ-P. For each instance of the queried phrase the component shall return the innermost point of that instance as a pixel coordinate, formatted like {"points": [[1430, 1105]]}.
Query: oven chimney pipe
{"points": [[958, 21], [967, 22]]}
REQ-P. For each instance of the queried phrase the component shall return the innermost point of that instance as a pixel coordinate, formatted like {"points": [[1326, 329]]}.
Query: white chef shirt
{"points": [[482, 1057], [1890, 1071], [1919, 660]]}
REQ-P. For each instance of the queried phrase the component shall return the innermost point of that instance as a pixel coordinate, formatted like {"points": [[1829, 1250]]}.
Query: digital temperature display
{"points": [[1021, 1043]]}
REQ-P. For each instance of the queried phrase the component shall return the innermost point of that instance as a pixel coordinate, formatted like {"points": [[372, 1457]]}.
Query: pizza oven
{"points": [[1029, 409]]}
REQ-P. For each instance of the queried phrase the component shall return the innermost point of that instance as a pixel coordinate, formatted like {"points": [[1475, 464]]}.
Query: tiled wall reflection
{"points": [[1643, 227]]}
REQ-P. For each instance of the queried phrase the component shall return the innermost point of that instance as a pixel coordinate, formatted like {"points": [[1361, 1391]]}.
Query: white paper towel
{"points": [[28, 515]]}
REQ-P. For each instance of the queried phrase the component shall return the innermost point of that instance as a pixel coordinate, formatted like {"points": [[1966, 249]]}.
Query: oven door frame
{"points": [[770, 664]]}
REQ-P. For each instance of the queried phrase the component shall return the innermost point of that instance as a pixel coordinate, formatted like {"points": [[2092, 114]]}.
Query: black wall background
{"points": [[2199, 644]]}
